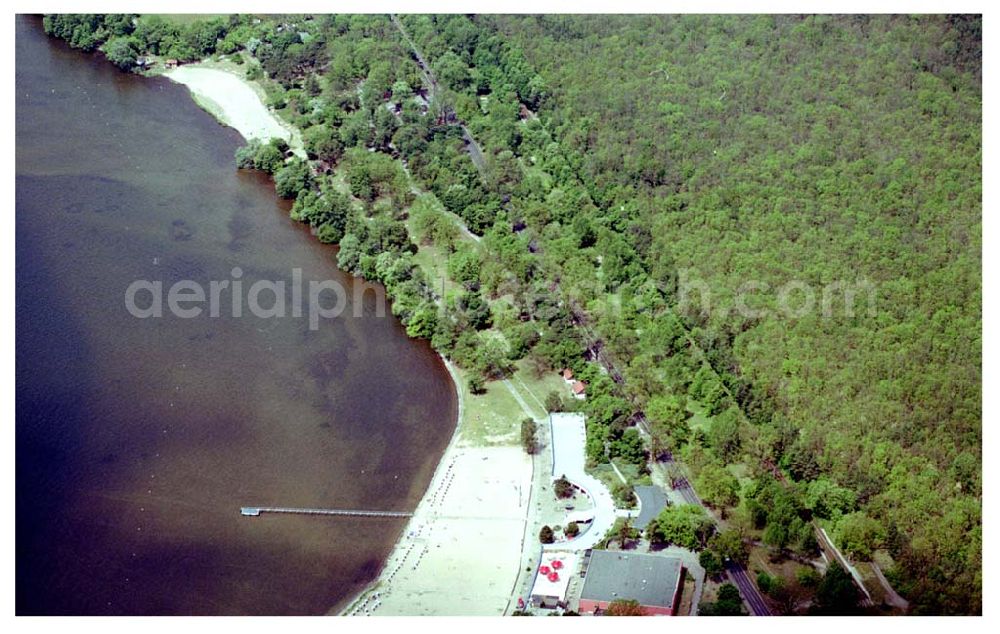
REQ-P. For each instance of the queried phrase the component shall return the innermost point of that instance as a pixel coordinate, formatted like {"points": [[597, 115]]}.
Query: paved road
{"points": [[475, 152], [569, 441], [748, 589], [751, 595], [684, 488]]}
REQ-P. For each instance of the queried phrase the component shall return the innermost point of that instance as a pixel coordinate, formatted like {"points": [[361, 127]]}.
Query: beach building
{"points": [[652, 580], [652, 500], [552, 579]]}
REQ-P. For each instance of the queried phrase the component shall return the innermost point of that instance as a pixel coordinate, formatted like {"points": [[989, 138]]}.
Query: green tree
{"points": [[669, 420], [546, 535], [724, 436], [476, 385], [836, 593], [624, 607], [728, 603], [717, 486], [729, 544], [685, 525], [423, 322], [562, 487], [711, 563], [629, 447], [624, 495], [553, 402], [528, 430], [292, 178], [121, 52], [452, 71], [858, 535], [323, 143]]}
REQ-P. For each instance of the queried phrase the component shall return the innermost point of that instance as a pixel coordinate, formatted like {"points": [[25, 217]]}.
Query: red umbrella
{"points": [[557, 564], [544, 570], [554, 576]]}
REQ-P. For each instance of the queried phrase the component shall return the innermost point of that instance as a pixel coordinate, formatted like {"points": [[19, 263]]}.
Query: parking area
{"points": [[569, 439]]}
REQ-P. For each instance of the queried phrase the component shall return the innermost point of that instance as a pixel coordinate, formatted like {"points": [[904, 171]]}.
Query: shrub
{"points": [[546, 535], [476, 385], [292, 178], [528, 441], [554, 402], [624, 495], [563, 488], [710, 562]]}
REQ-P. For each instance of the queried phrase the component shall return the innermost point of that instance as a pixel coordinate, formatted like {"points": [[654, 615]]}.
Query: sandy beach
{"points": [[461, 552], [233, 101]]}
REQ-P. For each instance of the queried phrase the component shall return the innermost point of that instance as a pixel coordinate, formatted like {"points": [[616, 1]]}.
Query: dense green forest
{"points": [[730, 149], [628, 160], [817, 149]]}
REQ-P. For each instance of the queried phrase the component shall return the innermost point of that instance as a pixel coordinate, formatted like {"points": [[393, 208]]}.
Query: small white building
{"points": [[552, 579]]}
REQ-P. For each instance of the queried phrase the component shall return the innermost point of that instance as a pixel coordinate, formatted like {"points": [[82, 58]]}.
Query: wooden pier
{"points": [[254, 511]]}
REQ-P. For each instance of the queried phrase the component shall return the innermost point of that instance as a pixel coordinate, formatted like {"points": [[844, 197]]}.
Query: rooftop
{"points": [[555, 582], [651, 580], [652, 500]]}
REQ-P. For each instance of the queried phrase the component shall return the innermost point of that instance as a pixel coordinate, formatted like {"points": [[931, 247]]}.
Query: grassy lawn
{"points": [[699, 419], [631, 473], [434, 263], [784, 568], [493, 418], [535, 388], [742, 473], [605, 474]]}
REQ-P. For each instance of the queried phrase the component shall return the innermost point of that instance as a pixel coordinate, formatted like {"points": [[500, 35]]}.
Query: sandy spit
{"points": [[234, 101]]}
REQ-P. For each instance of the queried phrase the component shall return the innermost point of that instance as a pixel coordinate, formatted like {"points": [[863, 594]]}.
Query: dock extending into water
{"points": [[254, 511]]}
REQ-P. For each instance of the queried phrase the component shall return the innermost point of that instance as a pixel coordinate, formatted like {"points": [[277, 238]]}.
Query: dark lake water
{"points": [[137, 440]]}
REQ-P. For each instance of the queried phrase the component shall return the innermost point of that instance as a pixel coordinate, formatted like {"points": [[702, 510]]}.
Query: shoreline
{"points": [[477, 488], [461, 552], [343, 607], [234, 101]]}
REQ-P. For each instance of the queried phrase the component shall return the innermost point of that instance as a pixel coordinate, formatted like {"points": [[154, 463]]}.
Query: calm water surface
{"points": [[138, 440]]}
